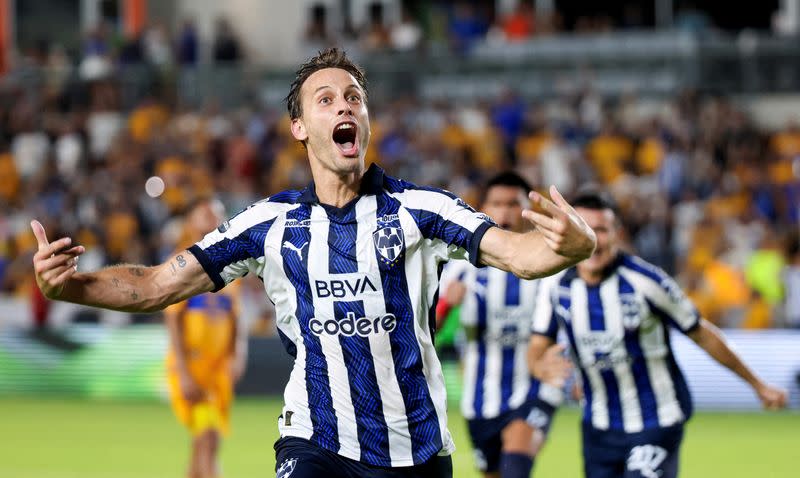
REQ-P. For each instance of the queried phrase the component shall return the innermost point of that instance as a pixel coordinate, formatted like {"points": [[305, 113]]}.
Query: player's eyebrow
{"points": [[321, 88]]}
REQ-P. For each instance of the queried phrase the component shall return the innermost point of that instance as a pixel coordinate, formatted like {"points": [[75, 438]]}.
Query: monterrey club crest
{"points": [[389, 243]]}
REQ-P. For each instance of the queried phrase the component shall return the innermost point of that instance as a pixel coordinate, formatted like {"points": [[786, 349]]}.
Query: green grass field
{"points": [[71, 438]]}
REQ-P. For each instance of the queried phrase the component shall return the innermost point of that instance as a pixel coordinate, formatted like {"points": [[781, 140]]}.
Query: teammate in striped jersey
{"points": [[508, 412], [616, 310], [352, 265]]}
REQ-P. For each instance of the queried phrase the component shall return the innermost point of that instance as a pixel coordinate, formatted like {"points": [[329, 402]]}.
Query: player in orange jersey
{"points": [[207, 355]]}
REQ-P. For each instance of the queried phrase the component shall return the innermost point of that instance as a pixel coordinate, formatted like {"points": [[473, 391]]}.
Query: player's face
{"points": [[504, 205], [604, 224], [335, 121]]}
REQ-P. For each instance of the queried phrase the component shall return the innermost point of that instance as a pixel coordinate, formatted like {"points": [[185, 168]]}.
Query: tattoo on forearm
{"points": [[181, 261], [115, 281], [134, 295], [137, 271]]}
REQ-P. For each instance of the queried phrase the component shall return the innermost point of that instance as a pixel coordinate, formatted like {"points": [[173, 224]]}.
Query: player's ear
{"points": [[299, 130]]}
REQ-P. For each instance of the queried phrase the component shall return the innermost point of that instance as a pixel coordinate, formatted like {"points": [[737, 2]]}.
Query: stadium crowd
{"points": [[704, 192]]}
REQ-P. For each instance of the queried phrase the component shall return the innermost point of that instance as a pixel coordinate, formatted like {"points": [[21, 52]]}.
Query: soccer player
{"points": [[207, 354], [352, 264], [616, 310], [508, 413]]}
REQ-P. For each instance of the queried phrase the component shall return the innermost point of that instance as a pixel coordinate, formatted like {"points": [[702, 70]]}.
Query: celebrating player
{"points": [[208, 352], [508, 412], [616, 310], [352, 265]]}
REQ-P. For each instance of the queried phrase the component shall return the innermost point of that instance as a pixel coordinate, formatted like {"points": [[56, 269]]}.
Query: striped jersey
{"points": [[354, 290], [618, 333], [496, 315]]}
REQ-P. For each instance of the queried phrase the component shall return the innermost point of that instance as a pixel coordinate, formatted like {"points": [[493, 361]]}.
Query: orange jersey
{"points": [[209, 329], [209, 326]]}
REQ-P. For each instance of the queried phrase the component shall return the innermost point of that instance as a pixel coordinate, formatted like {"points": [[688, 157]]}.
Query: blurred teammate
{"points": [[352, 265], [508, 412], [208, 353], [616, 310]]}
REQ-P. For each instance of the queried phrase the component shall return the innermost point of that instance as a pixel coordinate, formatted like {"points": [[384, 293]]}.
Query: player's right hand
{"points": [[54, 263], [553, 368], [773, 398], [190, 390]]}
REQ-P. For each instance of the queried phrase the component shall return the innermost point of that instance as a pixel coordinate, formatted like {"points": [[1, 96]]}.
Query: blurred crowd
{"points": [[704, 193]]}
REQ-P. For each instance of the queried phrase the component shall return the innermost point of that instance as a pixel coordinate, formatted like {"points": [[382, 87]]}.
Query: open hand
{"points": [[54, 263], [564, 231]]}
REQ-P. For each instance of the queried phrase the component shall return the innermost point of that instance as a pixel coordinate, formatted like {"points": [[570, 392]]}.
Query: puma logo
{"points": [[299, 251]]}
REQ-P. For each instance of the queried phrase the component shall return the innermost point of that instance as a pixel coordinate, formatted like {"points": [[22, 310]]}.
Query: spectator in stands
{"points": [[791, 281], [226, 48], [520, 24], [317, 35], [466, 27], [187, 45], [406, 35], [375, 36]]}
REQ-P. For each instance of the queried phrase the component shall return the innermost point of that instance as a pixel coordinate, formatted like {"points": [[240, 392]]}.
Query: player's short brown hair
{"points": [[328, 58]]}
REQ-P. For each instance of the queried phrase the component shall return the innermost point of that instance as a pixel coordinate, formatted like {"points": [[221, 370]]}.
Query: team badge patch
{"points": [[631, 311], [287, 467], [389, 242]]}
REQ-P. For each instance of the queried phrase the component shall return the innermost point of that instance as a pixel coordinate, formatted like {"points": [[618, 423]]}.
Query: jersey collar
{"points": [[371, 183]]}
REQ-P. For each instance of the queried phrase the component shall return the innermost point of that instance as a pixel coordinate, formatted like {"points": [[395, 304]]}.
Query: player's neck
{"points": [[593, 277], [336, 190]]}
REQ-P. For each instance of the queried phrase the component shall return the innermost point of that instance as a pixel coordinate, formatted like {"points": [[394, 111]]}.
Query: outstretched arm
{"points": [[560, 239], [710, 339], [127, 288]]}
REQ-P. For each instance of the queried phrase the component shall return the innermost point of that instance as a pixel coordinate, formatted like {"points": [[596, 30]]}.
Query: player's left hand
{"points": [[773, 398], [564, 231]]}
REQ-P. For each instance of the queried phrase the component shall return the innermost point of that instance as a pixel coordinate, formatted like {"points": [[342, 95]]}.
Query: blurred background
{"points": [[116, 114]]}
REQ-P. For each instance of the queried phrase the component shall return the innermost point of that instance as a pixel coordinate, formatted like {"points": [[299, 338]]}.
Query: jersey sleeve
{"points": [[664, 296], [442, 216], [236, 247], [545, 321]]}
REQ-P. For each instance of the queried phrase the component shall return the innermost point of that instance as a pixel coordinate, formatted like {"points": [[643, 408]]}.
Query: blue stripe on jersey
{"points": [[512, 289], [597, 320], [423, 423], [373, 433], [318, 388], [565, 302], [509, 350], [482, 279], [248, 244], [647, 396], [615, 421]]}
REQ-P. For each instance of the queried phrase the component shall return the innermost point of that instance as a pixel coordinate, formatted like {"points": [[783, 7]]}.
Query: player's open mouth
{"points": [[344, 135]]}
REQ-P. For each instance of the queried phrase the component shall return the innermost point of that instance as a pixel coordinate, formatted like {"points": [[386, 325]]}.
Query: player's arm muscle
{"points": [[524, 254], [133, 288]]}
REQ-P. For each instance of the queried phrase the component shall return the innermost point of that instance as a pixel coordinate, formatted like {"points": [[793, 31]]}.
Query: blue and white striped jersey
{"points": [[354, 290], [619, 338], [496, 315]]}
